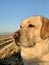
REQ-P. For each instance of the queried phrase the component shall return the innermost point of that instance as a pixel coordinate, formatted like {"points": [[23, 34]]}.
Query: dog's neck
{"points": [[37, 51]]}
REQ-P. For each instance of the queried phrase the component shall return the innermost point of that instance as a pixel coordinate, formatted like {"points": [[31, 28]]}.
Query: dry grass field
{"points": [[5, 37], [9, 52]]}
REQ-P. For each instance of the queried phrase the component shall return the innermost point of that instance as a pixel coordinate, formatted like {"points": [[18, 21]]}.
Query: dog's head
{"points": [[32, 30]]}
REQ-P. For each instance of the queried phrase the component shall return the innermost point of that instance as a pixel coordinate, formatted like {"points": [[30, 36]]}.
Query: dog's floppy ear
{"points": [[45, 28]]}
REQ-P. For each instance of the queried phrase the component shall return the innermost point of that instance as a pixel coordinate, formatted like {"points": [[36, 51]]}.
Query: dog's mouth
{"points": [[24, 44], [29, 45], [16, 41]]}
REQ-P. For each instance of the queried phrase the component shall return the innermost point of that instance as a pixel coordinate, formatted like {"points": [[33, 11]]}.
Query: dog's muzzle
{"points": [[21, 39]]}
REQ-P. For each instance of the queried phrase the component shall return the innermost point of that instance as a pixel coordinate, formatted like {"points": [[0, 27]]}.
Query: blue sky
{"points": [[12, 12]]}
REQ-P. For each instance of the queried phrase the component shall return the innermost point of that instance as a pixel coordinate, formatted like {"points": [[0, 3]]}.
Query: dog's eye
{"points": [[20, 26], [30, 25]]}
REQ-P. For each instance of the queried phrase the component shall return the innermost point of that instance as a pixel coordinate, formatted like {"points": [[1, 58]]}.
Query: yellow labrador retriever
{"points": [[33, 37]]}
